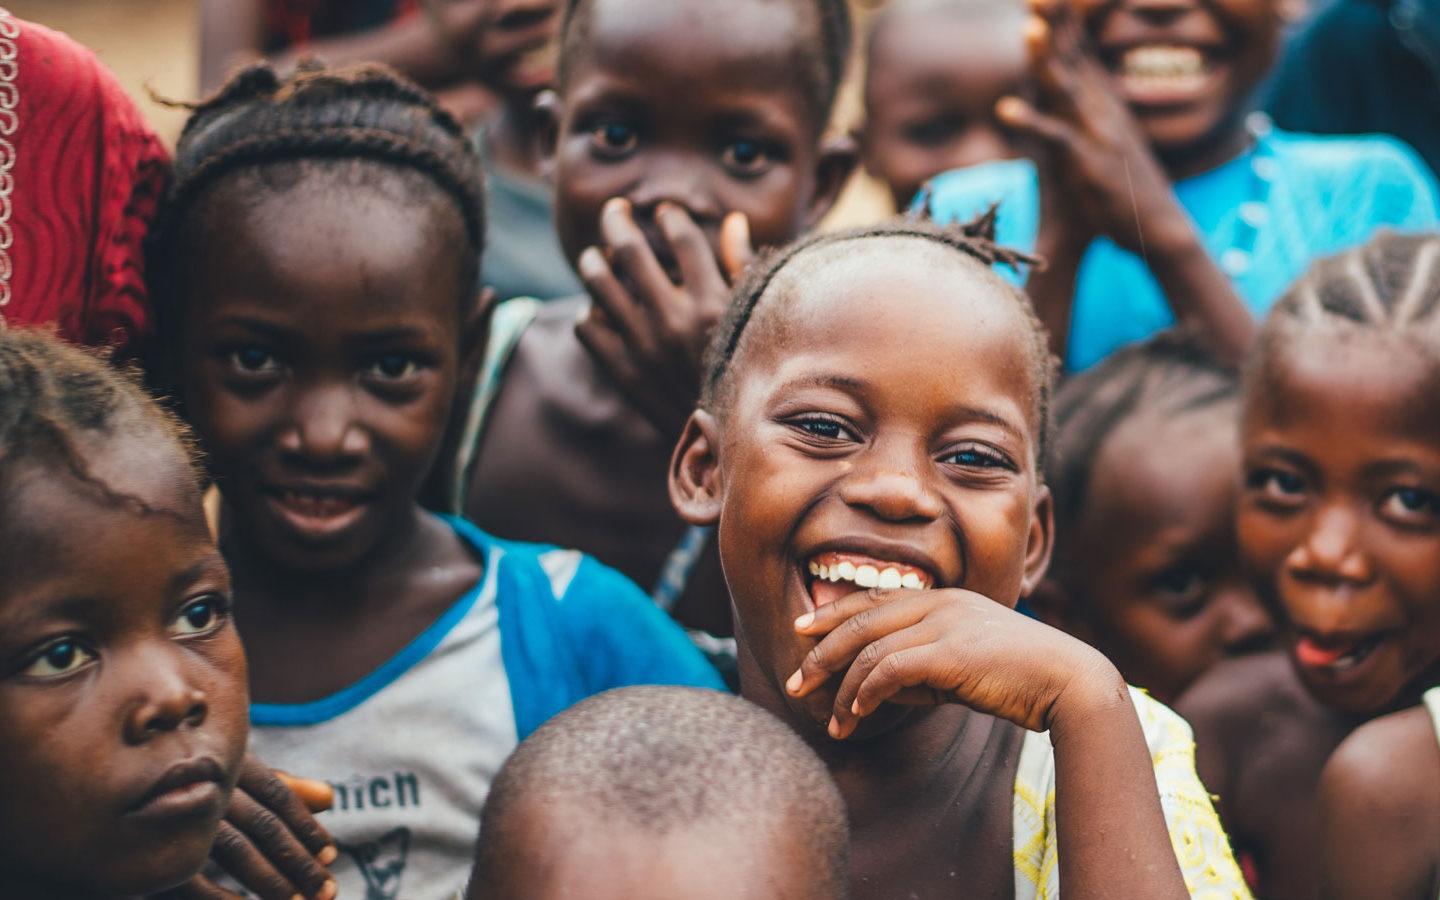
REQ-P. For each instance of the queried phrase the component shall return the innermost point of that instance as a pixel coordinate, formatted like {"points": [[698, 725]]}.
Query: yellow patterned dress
{"points": [[1200, 843]]}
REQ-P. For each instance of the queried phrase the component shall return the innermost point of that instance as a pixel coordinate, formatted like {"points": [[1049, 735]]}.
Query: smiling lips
{"points": [[1331, 655], [1159, 74], [833, 575], [317, 513]]}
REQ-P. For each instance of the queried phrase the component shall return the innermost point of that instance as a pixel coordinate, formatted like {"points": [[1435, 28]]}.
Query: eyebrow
{"points": [[210, 565]]}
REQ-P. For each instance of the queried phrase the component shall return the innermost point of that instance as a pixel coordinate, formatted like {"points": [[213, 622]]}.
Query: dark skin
{"points": [[322, 348], [1340, 523], [122, 680], [1093, 111], [1150, 572], [935, 70], [518, 52], [912, 439], [559, 852], [1379, 825], [666, 134]]}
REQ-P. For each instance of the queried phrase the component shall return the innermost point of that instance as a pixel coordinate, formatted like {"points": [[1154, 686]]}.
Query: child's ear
{"points": [[1040, 542], [836, 161], [547, 129], [695, 471]]}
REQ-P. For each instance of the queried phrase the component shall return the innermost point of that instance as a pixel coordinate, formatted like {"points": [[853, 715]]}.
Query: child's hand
{"points": [[648, 332], [1109, 181], [269, 842], [926, 648]]}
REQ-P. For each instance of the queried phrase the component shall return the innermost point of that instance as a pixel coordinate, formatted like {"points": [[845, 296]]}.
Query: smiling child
{"points": [[836, 451], [1339, 520], [673, 122], [1157, 200], [1144, 468], [325, 234], [122, 681]]}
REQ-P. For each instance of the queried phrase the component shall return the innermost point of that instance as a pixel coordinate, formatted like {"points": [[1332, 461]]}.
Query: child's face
{"points": [[122, 681], [931, 86], [1340, 512], [1154, 577], [1187, 68], [698, 104], [882, 412], [320, 356], [518, 49]]}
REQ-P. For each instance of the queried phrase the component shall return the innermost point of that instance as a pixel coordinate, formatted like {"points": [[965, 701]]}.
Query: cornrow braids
{"points": [[51, 392], [836, 34], [1390, 283], [317, 116], [974, 240], [1169, 374]]}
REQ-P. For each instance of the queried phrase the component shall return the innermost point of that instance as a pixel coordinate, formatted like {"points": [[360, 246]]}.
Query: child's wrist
{"points": [[1096, 690]]}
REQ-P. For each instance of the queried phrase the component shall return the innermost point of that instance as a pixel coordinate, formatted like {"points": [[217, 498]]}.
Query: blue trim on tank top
{"points": [[342, 701]]}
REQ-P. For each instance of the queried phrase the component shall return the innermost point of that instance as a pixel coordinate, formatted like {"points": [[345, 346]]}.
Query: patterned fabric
{"points": [[1195, 832], [87, 178]]}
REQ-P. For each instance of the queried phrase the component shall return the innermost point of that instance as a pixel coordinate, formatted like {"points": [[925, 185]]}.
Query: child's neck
{"points": [[1208, 155]]}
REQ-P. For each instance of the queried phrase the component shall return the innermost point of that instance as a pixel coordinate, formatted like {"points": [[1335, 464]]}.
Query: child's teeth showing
{"points": [[1158, 68], [853, 574]]}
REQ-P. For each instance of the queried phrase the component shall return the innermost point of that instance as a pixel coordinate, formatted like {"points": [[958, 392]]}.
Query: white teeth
{"points": [[867, 576], [1161, 62], [847, 570], [815, 569], [889, 580], [910, 581]]}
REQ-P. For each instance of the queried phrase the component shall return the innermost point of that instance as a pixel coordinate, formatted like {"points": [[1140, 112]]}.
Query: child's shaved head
{"points": [[663, 790]]}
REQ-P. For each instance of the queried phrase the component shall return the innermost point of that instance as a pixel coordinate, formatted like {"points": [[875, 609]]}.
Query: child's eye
{"points": [[60, 658], [1410, 506], [1181, 591], [824, 428], [976, 457], [932, 132], [614, 138], [254, 360], [394, 367], [746, 157], [200, 617], [1276, 485]]}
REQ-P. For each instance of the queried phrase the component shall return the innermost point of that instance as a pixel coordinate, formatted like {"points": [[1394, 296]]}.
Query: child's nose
{"points": [[895, 496], [1330, 551], [1247, 627], [677, 179], [323, 426], [166, 699]]}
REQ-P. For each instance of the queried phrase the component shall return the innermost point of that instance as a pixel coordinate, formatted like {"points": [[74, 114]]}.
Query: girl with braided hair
{"points": [[321, 240], [867, 447], [122, 680], [1339, 523]]}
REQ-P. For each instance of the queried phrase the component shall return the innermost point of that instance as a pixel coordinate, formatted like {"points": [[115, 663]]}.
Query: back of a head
{"points": [[647, 767], [1169, 374]]}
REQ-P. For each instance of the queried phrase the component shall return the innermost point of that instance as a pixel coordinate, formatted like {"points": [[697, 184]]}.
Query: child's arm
{"points": [[648, 333], [1380, 826], [1106, 181], [956, 646], [268, 841]]}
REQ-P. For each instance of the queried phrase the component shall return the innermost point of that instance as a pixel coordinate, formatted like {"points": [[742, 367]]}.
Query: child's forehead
{"points": [[766, 43]]}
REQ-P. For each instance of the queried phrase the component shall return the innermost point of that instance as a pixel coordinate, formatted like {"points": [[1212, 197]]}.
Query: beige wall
{"points": [[152, 42]]}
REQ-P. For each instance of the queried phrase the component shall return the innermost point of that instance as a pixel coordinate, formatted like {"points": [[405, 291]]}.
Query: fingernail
{"points": [[795, 681], [328, 891], [834, 728], [805, 621], [591, 261], [297, 897], [855, 708], [328, 855]]}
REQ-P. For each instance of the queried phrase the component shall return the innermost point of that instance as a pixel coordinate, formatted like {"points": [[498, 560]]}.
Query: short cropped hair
{"points": [[662, 760]]}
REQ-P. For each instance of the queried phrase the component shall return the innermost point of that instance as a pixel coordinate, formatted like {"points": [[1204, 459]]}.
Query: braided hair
{"points": [[1169, 374], [365, 117], [52, 394], [1390, 283], [835, 35], [973, 240]]}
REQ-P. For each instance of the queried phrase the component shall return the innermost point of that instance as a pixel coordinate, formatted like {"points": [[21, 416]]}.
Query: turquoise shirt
{"points": [[1263, 216]]}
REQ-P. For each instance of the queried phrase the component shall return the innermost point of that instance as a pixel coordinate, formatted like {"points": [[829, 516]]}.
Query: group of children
{"points": [[358, 525]]}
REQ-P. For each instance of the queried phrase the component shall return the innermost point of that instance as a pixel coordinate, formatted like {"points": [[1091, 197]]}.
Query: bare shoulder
{"points": [[1389, 766], [1233, 694]]}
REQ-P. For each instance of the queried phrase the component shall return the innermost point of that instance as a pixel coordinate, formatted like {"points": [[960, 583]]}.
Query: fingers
{"points": [[261, 784], [317, 796], [282, 870], [850, 625], [198, 888], [736, 251], [900, 676], [698, 267], [614, 302], [1021, 116], [630, 252], [878, 656], [656, 399]]}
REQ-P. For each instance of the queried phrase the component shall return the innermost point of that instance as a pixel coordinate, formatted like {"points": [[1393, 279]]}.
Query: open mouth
{"points": [[317, 512], [1334, 655], [833, 575], [1164, 74]]}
